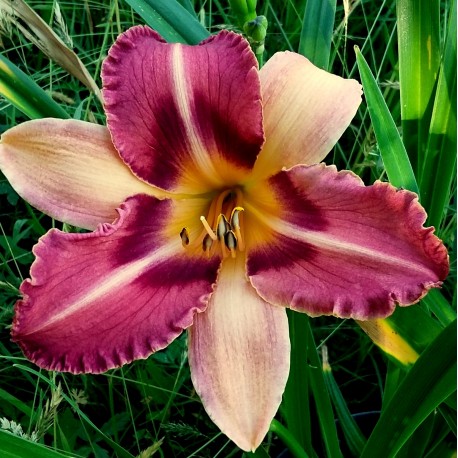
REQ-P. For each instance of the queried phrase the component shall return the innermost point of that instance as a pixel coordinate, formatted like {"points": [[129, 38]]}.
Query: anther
{"points": [[222, 227], [208, 228], [230, 241], [235, 223], [184, 235], [207, 243]]}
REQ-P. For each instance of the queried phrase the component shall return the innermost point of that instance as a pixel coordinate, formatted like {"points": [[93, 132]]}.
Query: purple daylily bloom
{"points": [[217, 229]]}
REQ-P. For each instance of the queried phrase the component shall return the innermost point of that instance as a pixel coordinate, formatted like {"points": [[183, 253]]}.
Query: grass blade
{"points": [[295, 405], [403, 335], [421, 391], [171, 20], [25, 94], [419, 58], [353, 435], [287, 438], [17, 447], [440, 157], [437, 303], [322, 399], [317, 29], [394, 155], [40, 34]]}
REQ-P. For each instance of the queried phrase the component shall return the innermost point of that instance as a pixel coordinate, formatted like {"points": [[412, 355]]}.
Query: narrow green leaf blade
{"points": [[25, 94], [316, 34], [322, 399], [420, 392], [436, 302], [418, 23], [156, 21], [6, 397], [295, 406], [439, 167], [170, 19], [17, 447], [353, 435], [394, 155]]}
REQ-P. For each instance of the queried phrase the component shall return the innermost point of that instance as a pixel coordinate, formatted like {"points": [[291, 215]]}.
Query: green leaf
{"points": [[352, 433], [171, 20], [394, 155], [17, 403], [322, 400], [287, 438], [119, 450], [316, 34], [25, 94], [419, 394], [419, 57], [18, 447], [436, 302], [440, 157], [295, 405]]}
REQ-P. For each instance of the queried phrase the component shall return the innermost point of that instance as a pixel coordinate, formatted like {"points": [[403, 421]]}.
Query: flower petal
{"points": [[306, 110], [102, 299], [68, 169], [340, 248], [185, 118], [239, 356]]}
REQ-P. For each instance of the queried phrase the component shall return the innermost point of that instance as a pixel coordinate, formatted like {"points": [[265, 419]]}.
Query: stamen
{"points": [[222, 223], [230, 241], [207, 243], [208, 228], [235, 223], [222, 226], [184, 235]]}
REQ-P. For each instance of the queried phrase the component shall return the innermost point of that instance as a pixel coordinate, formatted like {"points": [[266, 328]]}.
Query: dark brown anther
{"points": [[184, 235], [207, 242]]}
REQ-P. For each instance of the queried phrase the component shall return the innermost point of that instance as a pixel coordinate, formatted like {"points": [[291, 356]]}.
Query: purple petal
{"points": [[184, 118], [340, 248], [99, 300]]}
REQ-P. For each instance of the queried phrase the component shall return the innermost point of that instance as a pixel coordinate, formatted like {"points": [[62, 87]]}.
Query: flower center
{"points": [[221, 227]]}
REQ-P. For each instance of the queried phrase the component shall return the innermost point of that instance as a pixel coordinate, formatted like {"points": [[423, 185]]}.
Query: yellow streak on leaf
{"points": [[385, 337]]}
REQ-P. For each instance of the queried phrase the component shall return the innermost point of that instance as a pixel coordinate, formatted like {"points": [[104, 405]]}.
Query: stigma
{"points": [[222, 227]]}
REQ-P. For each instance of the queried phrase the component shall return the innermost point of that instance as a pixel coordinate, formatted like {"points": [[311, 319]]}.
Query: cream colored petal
{"points": [[239, 355], [306, 110], [69, 170]]}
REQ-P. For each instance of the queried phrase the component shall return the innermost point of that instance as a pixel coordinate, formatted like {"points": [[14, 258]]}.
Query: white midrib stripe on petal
{"points": [[118, 278], [183, 96], [321, 239]]}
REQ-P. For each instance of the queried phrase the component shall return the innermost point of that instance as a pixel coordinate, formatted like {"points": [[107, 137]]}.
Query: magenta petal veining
{"points": [[344, 249], [99, 300], [184, 118]]}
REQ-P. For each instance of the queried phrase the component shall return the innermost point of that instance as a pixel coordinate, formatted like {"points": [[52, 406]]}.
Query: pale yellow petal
{"points": [[69, 170], [239, 355], [306, 110]]}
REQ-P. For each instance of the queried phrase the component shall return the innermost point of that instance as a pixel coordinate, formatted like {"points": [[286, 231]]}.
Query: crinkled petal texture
{"points": [[339, 248], [184, 118], [239, 357], [306, 110], [99, 300], [69, 170]]}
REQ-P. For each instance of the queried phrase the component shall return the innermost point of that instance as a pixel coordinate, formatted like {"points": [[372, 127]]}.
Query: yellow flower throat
{"points": [[221, 227]]}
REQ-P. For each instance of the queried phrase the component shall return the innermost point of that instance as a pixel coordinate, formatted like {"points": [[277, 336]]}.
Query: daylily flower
{"points": [[217, 229]]}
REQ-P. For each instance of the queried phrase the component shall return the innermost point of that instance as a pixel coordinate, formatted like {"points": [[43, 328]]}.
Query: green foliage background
{"points": [[345, 397]]}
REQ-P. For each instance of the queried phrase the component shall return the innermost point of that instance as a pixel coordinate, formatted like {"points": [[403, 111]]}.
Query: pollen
{"points": [[222, 227]]}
